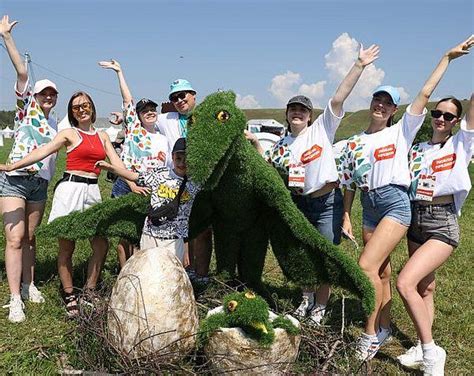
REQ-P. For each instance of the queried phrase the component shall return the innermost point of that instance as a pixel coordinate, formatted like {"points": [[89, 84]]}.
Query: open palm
{"points": [[6, 26], [369, 55]]}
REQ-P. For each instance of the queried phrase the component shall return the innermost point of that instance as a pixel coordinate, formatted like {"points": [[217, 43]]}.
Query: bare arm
{"points": [[124, 90], [366, 57], [21, 71], [346, 217], [118, 170], [470, 114], [254, 141], [42, 152], [430, 85]]}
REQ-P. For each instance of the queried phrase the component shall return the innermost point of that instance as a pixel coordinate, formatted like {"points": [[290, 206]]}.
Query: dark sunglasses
{"points": [[177, 96], [448, 116]]}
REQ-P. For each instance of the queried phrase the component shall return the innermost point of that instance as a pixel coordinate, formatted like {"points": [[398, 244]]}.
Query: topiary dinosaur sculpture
{"points": [[246, 202], [249, 312]]}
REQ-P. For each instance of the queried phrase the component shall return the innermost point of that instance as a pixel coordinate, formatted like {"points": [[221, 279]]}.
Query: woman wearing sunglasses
{"points": [[144, 148], [375, 162], [306, 161], [440, 185], [23, 193], [78, 189]]}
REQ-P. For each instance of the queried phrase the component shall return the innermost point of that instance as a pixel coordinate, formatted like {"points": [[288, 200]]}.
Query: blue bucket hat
{"points": [[180, 85], [390, 90]]}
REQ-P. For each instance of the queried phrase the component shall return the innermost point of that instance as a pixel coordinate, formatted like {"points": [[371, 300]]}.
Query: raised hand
{"points": [[6, 26], [461, 49], [369, 55], [116, 118], [112, 64]]}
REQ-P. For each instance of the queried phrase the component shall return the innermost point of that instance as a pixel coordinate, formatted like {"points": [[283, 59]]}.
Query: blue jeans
{"points": [[389, 201], [30, 188], [120, 188], [324, 213]]}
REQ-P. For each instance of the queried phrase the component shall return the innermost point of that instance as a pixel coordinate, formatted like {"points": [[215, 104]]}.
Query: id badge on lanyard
{"points": [[296, 176], [425, 187]]}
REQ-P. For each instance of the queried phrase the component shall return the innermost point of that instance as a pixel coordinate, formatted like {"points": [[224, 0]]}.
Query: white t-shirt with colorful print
{"points": [[447, 162], [32, 130], [370, 161], [164, 184], [142, 150], [311, 149]]}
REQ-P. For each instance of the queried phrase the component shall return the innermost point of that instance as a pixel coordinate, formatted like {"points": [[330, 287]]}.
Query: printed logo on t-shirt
{"points": [[385, 152], [444, 163], [164, 191], [311, 154]]}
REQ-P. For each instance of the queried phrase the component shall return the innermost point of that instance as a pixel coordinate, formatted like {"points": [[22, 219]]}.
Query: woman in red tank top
{"points": [[78, 189]]}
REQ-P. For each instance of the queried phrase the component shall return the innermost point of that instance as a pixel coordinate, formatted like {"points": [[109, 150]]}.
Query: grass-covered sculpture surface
{"points": [[249, 312], [246, 202]]}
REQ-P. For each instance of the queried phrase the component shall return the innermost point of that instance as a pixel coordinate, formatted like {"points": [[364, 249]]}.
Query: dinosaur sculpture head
{"points": [[214, 128]]}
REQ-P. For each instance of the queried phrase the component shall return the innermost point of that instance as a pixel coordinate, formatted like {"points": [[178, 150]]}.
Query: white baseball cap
{"points": [[43, 84]]}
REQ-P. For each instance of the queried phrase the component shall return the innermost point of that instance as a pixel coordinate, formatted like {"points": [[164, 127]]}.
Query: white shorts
{"points": [[175, 246], [71, 196]]}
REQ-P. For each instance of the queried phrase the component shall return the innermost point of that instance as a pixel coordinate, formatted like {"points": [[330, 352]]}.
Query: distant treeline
{"points": [[6, 119]]}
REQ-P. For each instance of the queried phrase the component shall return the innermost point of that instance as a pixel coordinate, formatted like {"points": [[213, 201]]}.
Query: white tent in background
{"points": [[64, 124], [1, 139], [112, 133], [8, 132]]}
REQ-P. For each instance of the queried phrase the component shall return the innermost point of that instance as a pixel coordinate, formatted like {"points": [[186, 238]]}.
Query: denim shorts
{"points": [[30, 188], [438, 222], [324, 213], [390, 201], [120, 188]]}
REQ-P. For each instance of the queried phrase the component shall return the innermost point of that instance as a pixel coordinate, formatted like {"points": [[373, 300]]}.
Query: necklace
{"points": [[87, 136]]}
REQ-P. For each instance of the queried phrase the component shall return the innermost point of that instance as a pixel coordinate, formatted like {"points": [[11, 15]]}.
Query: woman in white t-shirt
{"points": [[23, 193], [305, 160], [375, 161], [440, 185], [144, 148]]}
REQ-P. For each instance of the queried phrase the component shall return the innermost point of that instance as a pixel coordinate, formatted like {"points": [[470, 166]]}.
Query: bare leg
{"points": [[124, 251], [100, 246], [200, 250], [322, 294], [424, 261], [13, 213], [384, 239], [66, 249], [34, 214]]}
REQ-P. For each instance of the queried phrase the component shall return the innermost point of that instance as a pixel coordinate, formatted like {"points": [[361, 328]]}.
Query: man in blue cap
{"points": [[174, 126]]}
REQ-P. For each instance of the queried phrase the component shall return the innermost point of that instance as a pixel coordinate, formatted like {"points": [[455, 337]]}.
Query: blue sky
{"points": [[264, 50]]}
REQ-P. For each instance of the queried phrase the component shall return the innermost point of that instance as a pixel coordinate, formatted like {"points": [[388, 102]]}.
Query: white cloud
{"points": [[339, 60], [247, 102], [286, 85]]}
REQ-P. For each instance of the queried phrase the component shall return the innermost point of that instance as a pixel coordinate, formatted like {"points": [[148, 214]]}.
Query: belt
{"points": [[324, 190], [440, 200], [78, 179]]}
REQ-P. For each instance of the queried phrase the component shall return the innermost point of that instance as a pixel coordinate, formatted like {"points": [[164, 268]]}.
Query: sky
{"points": [[265, 51]]}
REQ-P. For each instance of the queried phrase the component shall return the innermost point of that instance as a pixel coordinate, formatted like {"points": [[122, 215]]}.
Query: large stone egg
{"points": [[152, 309]]}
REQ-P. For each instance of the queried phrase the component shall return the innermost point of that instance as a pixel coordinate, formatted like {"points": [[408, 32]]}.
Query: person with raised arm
{"points": [[144, 147], [375, 161], [306, 161], [23, 193]]}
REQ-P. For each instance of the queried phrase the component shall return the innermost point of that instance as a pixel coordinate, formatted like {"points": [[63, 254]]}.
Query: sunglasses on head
{"points": [[86, 106], [448, 116], [177, 96]]}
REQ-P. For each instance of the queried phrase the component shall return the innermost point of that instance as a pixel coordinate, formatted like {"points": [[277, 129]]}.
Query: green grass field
{"points": [[45, 342]]}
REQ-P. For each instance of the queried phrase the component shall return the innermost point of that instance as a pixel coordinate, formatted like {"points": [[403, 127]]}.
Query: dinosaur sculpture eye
{"points": [[250, 295], [223, 116], [232, 305]]}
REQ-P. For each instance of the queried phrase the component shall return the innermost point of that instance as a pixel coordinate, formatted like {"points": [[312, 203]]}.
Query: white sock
{"points": [[429, 350], [371, 337]]}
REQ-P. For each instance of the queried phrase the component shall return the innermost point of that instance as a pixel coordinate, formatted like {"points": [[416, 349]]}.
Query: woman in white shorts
{"points": [[375, 161], [78, 189], [440, 185], [23, 193]]}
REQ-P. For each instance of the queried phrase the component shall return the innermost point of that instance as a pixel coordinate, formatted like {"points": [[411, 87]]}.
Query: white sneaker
{"points": [[31, 293], [317, 314], [434, 367], [16, 306], [366, 347], [384, 335], [412, 358], [305, 306]]}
